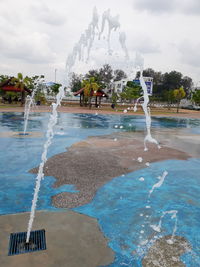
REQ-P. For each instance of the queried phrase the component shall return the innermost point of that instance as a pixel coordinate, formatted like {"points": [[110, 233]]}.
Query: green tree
{"points": [[54, 89], [114, 98], [179, 94], [172, 80], [131, 91], [93, 73], [90, 88], [96, 75], [75, 82], [22, 83], [106, 75], [119, 75], [3, 78], [168, 95], [196, 97], [163, 84], [35, 81], [12, 96], [187, 83]]}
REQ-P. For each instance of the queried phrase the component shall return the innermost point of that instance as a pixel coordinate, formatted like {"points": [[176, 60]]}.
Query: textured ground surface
{"points": [[163, 254], [106, 110], [91, 163]]}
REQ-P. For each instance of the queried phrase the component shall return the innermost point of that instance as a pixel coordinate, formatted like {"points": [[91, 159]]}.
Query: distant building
{"points": [[118, 87]]}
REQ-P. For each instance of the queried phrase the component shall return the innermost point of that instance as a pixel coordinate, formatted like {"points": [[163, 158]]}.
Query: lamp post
{"points": [[197, 84], [55, 75]]}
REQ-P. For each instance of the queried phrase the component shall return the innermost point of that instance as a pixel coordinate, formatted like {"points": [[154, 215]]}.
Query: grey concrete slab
{"points": [[73, 240]]}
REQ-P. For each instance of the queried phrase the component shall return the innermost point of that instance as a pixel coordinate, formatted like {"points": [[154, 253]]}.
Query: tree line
{"points": [[165, 85], [169, 87], [103, 77]]}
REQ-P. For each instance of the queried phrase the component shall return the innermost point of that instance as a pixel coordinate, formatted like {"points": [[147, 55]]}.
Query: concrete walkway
{"points": [[73, 240]]}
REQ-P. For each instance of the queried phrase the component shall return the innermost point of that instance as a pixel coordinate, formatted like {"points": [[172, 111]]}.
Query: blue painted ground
{"points": [[19, 155], [119, 203]]}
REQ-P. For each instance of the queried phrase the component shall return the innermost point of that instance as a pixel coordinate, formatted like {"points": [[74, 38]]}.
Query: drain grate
{"points": [[23, 133], [18, 245]]}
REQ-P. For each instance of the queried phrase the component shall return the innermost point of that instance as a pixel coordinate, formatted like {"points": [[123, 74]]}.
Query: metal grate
{"points": [[18, 245], [23, 133]]}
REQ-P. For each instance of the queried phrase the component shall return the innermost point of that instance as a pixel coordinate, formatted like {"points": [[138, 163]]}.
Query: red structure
{"points": [[9, 86], [98, 95]]}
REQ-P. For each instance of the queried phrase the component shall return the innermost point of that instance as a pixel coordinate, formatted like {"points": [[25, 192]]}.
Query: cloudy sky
{"points": [[37, 35]]}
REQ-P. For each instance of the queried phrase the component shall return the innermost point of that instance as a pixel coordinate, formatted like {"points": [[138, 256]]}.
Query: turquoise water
{"points": [[119, 203]]}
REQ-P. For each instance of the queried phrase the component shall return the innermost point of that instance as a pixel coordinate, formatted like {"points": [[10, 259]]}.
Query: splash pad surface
{"points": [[119, 203]]}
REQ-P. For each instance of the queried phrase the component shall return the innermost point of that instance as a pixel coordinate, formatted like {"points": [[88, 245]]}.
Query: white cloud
{"points": [[187, 7], [192, 7], [38, 35], [144, 44], [47, 15], [154, 6], [26, 46], [190, 53]]}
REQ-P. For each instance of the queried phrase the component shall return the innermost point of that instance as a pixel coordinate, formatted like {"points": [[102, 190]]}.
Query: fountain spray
{"points": [[139, 62], [86, 41], [157, 228], [30, 102]]}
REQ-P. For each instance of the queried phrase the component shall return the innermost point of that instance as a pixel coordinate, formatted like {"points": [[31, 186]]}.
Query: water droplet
{"points": [[170, 241], [140, 159], [141, 179]]}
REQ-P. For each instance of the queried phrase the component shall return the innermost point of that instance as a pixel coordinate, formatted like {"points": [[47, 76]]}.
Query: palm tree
{"points": [[91, 88], [22, 82]]}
